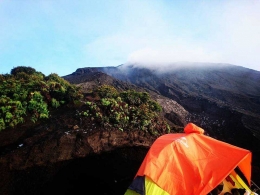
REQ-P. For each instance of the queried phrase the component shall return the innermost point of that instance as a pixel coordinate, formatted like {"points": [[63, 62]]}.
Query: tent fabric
{"points": [[138, 185], [131, 192], [149, 188], [152, 188], [239, 183], [192, 163], [233, 181]]}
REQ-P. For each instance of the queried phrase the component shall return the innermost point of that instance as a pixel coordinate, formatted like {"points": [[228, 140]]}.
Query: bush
{"points": [[127, 109], [26, 92]]}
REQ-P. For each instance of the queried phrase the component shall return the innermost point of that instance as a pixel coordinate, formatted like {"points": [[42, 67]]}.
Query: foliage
{"points": [[37, 107], [61, 89], [106, 91], [125, 110], [26, 93], [23, 69]]}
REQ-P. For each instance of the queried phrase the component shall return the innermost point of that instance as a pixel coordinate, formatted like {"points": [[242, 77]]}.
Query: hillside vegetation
{"points": [[123, 110], [27, 95]]}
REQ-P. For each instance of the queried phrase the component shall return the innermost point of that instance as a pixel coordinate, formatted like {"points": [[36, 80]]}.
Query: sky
{"points": [[59, 36]]}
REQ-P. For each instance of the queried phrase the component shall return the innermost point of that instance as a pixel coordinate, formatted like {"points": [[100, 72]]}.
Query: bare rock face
{"points": [[173, 111], [42, 159]]}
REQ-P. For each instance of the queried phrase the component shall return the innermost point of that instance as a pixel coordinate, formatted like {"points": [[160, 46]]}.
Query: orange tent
{"points": [[189, 163]]}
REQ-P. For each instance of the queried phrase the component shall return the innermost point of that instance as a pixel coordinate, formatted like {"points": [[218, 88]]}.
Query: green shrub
{"points": [[26, 92], [106, 91], [55, 103], [23, 69], [125, 110], [37, 107], [2, 124]]}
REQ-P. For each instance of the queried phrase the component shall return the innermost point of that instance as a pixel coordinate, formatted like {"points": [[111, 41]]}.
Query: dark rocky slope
{"points": [[223, 99]]}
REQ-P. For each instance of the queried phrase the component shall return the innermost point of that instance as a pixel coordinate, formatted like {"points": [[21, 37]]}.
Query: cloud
{"points": [[226, 33], [167, 54], [164, 32]]}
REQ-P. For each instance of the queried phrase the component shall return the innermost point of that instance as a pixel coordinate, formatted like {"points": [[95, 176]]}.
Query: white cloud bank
{"points": [[219, 32], [234, 38]]}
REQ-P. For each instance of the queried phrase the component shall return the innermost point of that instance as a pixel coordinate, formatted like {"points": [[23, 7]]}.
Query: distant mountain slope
{"points": [[224, 99], [226, 84], [88, 78]]}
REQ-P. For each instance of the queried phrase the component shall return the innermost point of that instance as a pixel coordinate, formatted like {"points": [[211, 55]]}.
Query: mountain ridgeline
{"points": [[223, 99]]}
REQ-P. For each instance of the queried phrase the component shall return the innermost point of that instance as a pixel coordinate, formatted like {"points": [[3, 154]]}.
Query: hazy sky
{"points": [[59, 36]]}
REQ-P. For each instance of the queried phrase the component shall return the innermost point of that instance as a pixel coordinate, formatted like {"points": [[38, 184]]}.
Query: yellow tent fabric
{"points": [[131, 192], [233, 180], [152, 188], [192, 163]]}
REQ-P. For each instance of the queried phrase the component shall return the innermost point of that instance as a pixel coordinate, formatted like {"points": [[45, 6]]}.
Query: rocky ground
{"points": [[67, 156]]}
